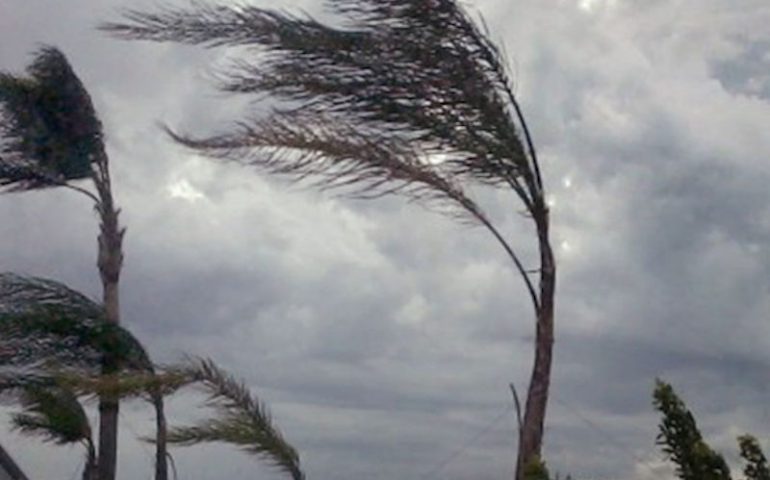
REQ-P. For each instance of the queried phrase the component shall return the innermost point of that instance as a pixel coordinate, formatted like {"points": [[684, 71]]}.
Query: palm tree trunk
{"points": [[531, 434], [161, 456], [110, 261], [90, 470]]}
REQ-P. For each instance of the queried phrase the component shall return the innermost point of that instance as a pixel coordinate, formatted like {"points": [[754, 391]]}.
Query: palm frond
{"points": [[53, 413], [242, 419], [124, 384], [49, 131], [50, 410], [332, 154], [42, 321], [417, 73]]}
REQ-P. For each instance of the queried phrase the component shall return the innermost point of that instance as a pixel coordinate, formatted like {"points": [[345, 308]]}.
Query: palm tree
{"points": [[44, 323], [51, 136], [53, 341], [407, 97]]}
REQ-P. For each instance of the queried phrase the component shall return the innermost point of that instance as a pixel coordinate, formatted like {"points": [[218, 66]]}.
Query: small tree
{"points": [[408, 97], [756, 463], [50, 136], [683, 444]]}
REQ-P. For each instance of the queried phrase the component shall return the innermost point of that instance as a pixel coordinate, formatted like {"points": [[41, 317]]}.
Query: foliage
{"points": [[54, 413], [49, 129], [683, 444], [43, 321], [50, 410], [49, 332], [125, 384], [242, 419], [756, 463], [49, 135], [536, 470], [370, 105]]}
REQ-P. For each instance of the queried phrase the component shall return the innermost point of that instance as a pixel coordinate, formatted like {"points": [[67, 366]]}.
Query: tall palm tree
{"points": [[407, 97], [51, 136]]}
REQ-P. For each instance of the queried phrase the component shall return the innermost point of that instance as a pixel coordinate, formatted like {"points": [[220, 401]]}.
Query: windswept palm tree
{"points": [[44, 323], [50, 136], [53, 341], [371, 106]]}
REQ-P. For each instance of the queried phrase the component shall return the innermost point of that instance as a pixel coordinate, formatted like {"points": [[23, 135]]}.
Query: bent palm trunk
{"points": [[531, 434]]}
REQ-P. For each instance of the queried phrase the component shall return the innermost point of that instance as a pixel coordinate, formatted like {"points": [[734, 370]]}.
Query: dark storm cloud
{"points": [[384, 336]]}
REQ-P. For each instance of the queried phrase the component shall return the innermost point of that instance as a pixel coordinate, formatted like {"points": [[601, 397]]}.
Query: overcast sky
{"points": [[384, 336]]}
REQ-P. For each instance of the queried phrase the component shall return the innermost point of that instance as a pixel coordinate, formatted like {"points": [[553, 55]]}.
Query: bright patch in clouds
{"points": [[592, 5], [184, 190], [435, 158]]}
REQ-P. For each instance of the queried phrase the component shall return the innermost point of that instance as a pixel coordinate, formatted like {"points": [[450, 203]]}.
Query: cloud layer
{"points": [[385, 336]]}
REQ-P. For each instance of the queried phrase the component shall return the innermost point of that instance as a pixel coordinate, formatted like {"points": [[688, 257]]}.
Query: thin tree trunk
{"points": [[110, 261], [161, 455], [531, 434], [90, 471]]}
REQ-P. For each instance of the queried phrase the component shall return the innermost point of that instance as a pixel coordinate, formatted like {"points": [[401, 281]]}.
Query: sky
{"points": [[384, 336]]}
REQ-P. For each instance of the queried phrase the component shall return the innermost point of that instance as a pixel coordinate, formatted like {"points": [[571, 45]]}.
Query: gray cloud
{"points": [[384, 336]]}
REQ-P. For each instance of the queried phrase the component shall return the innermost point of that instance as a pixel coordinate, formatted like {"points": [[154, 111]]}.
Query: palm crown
{"points": [[49, 131]]}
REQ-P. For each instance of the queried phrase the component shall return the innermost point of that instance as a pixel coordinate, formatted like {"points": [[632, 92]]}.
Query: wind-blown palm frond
{"points": [[329, 152], [49, 132], [242, 419], [50, 410], [53, 413], [409, 98], [125, 384], [384, 77], [42, 320]]}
